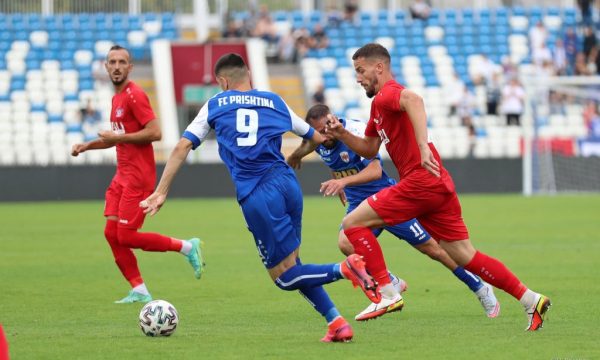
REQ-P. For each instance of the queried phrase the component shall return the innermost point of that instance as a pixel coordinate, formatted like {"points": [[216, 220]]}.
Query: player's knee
{"points": [[127, 237], [283, 285], [110, 232]]}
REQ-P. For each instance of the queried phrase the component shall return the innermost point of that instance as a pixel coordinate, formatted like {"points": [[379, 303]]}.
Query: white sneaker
{"points": [[387, 305], [536, 313], [399, 284], [488, 300]]}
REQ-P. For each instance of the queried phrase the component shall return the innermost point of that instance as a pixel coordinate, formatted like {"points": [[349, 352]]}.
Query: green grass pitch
{"points": [[58, 283]]}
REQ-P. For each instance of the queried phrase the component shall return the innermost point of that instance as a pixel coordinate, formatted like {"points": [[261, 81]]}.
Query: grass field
{"points": [[58, 283]]}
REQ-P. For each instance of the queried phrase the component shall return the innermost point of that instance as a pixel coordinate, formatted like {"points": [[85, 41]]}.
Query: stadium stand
{"points": [[47, 76]]}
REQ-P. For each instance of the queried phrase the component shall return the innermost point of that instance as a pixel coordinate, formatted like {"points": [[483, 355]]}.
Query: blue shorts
{"points": [[410, 231], [273, 213]]}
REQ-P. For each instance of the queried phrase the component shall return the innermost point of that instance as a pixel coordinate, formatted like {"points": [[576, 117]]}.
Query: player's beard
{"points": [[119, 82], [370, 90]]}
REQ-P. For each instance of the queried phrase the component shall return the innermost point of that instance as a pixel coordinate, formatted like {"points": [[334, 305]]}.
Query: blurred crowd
{"points": [[575, 53]]}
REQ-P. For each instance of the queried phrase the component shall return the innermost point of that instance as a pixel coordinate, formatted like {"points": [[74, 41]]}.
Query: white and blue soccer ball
{"points": [[158, 318]]}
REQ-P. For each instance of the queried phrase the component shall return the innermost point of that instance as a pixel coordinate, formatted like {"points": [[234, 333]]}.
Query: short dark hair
{"points": [[118, 47], [317, 112], [229, 61], [372, 50]]}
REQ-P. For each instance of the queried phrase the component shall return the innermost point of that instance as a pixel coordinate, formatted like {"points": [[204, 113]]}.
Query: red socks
{"points": [[131, 238], [366, 245], [496, 273], [124, 257]]}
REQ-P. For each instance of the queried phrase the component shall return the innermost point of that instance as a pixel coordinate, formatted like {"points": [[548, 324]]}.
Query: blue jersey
{"points": [[249, 126], [345, 162]]}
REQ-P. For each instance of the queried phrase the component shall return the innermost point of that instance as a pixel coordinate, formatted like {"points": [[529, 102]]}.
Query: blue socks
{"points": [[306, 276], [308, 279], [472, 281]]}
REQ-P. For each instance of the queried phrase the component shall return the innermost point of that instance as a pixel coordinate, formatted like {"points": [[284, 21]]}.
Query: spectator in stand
{"points": [[581, 65], [591, 117], [233, 29], [542, 55], [318, 39], [513, 102], [454, 92], [484, 71], [350, 10], [508, 68], [319, 95], [334, 17], [287, 47], [265, 28], [559, 58], [302, 43], [537, 37], [585, 7], [420, 10], [589, 40], [571, 47], [492, 94], [466, 107]]}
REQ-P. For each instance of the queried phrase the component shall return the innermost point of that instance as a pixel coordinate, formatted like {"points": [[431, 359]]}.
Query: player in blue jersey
{"points": [[355, 179], [249, 125]]}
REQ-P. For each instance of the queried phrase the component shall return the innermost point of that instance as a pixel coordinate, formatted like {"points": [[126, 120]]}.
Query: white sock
{"points": [[389, 291], [186, 247], [141, 289], [528, 299]]}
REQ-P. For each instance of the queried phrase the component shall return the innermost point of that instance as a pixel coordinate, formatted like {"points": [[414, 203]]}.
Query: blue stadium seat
{"points": [[280, 15], [382, 17], [518, 11], [55, 118], [17, 83], [400, 16], [74, 128]]}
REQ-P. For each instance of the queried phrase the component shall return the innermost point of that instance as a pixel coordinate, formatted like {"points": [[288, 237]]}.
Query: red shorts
{"points": [[438, 212], [124, 202]]}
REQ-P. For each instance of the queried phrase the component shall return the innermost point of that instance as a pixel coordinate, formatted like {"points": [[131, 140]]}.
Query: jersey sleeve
{"points": [[140, 107], [198, 128], [391, 99], [299, 126]]}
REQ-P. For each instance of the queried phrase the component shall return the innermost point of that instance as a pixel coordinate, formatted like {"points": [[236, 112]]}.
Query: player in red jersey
{"points": [[3, 345], [133, 129], [425, 190]]}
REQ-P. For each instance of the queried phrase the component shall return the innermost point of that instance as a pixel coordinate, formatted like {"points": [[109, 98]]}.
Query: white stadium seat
{"points": [[39, 38], [135, 38], [83, 57]]}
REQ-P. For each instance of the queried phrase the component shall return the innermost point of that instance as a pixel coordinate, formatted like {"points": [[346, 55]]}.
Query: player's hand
{"points": [[429, 162], [153, 203], [77, 149], [294, 162], [343, 198], [334, 127], [332, 187], [108, 137]]}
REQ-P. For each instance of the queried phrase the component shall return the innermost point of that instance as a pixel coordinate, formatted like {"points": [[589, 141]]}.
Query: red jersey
{"points": [[395, 129], [130, 112]]}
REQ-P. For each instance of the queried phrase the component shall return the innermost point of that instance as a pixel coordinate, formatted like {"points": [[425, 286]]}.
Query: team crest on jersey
{"points": [[119, 112], [344, 156]]}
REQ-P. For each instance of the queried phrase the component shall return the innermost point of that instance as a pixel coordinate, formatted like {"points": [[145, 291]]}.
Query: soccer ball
{"points": [[158, 318]]}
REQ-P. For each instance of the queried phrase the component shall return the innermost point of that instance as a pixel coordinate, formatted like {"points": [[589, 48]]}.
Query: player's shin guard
{"points": [[124, 257], [366, 245], [146, 241], [302, 276], [496, 273]]}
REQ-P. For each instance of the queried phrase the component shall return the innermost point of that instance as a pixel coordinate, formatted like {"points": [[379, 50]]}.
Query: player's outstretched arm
{"points": [[96, 144], [414, 107], [153, 202], [370, 173], [367, 147], [295, 158], [149, 133]]}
